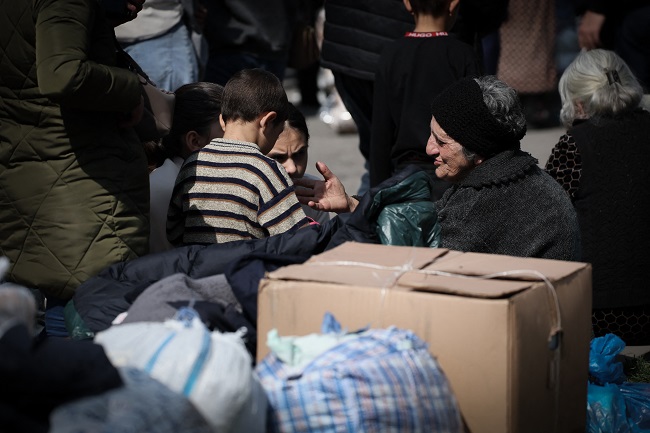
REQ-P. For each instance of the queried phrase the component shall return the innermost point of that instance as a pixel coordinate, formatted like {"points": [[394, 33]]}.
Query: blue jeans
{"points": [[54, 320], [169, 59]]}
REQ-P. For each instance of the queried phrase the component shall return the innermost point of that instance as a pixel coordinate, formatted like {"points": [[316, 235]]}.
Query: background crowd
{"points": [[448, 86]]}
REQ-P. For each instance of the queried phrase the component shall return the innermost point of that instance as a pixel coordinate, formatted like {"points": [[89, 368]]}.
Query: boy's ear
{"points": [[266, 121], [222, 122], [191, 142]]}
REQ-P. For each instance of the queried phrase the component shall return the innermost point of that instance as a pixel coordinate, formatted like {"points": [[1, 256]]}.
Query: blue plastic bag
{"points": [[603, 367], [606, 409], [613, 405]]}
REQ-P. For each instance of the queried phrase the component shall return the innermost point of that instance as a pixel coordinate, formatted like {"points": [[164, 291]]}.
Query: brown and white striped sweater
{"points": [[229, 191]]}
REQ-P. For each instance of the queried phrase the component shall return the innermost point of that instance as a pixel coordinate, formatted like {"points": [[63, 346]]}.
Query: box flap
{"points": [[336, 274], [380, 255], [468, 286], [381, 265], [487, 264], [371, 265]]}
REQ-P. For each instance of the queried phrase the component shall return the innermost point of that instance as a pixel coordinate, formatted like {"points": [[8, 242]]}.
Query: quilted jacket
{"points": [[74, 195]]}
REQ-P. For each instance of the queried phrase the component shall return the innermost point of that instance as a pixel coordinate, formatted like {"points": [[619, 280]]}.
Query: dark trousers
{"points": [[633, 44], [357, 94]]}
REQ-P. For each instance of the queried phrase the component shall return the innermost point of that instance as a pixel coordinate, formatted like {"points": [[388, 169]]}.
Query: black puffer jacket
{"points": [[356, 32], [259, 27]]}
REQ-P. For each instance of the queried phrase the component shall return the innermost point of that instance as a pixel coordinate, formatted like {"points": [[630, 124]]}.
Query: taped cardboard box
{"points": [[515, 349]]}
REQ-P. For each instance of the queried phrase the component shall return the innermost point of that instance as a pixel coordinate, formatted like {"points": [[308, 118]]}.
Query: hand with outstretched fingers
{"points": [[326, 195]]}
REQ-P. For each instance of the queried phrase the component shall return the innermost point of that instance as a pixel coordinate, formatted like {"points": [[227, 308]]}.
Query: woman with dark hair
{"points": [[291, 150], [602, 162], [196, 123]]}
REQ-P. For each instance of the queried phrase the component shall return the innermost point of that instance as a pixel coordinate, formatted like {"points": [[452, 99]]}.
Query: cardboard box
{"points": [[497, 340]]}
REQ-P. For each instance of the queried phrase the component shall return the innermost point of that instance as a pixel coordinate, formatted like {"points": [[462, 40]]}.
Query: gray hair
{"points": [[585, 81], [468, 154], [503, 103]]}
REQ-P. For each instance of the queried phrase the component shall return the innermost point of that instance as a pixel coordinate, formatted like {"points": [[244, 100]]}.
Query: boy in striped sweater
{"points": [[230, 190]]}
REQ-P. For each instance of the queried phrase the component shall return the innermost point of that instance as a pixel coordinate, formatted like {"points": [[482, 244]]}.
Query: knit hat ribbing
{"points": [[461, 112]]}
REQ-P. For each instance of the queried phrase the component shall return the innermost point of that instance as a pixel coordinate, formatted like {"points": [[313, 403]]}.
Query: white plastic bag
{"points": [[212, 369]]}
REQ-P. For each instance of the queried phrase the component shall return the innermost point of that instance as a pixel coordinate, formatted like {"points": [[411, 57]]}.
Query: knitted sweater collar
{"points": [[503, 168], [236, 142]]}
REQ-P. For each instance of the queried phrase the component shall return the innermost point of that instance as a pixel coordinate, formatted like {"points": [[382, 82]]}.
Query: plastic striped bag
{"points": [[374, 380]]}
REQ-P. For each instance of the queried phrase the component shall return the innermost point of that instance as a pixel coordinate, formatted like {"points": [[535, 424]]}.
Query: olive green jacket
{"points": [[74, 193]]}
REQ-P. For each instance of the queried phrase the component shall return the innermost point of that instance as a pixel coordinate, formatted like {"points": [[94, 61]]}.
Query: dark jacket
{"points": [[613, 206], [74, 191], [410, 74], [259, 27], [100, 299], [508, 205], [356, 32]]}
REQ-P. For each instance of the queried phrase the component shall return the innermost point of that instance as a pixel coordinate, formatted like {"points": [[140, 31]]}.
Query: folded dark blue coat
{"points": [[100, 299]]}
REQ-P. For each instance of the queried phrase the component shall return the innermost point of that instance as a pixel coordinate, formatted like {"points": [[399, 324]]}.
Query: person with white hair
{"points": [[602, 163]]}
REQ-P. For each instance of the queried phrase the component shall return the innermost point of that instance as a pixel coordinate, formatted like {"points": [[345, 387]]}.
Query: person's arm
{"points": [[283, 213], [382, 136], [565, 164], [325, 195], [589, 29], [64, 71]]}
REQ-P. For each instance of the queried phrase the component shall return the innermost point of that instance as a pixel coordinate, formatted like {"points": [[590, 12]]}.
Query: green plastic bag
{"points": [[405, 214]]}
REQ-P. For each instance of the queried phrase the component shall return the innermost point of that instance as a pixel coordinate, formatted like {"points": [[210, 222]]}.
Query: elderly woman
{"points": [[602, 163], [501, 202]]}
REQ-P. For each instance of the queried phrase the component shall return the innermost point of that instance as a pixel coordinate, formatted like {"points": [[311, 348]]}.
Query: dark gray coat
{"points": [[508, 205]]}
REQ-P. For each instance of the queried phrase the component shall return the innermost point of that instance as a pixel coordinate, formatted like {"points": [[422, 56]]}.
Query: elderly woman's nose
{"points": [[432, 148]]}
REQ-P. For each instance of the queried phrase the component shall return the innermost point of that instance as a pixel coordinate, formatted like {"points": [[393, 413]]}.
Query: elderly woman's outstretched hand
{"points": [[325, 195]]}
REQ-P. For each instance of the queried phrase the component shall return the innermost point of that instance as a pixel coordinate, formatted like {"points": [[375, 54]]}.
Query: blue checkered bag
{"points": [[379, 380]]}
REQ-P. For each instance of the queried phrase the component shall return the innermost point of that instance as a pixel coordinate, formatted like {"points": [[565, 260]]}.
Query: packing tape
{"points": [[387, 284]]}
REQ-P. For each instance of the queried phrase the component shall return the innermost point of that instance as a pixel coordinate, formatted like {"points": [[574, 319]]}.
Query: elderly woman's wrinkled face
{"points": [[290, 150], [451, 163]]}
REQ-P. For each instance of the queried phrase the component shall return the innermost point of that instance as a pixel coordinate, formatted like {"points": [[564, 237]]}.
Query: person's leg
{"points": [[308, 85], [54, 318], [183, 58], [357, 94], [169, 60], [491, 52], [633, 44]]}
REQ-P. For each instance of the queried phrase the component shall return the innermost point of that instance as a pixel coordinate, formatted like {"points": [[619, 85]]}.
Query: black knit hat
{"points": [[461, 112]]}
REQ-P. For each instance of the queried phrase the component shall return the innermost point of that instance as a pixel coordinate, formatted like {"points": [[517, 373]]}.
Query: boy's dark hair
{"points": [[251, 92], [429, 7], [297, 120], [197, 107], [156, 153]]}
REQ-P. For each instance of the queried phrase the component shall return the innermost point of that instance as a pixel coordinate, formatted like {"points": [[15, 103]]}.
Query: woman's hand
{"points": [[128, 12], [325, 195], [589, 30]]}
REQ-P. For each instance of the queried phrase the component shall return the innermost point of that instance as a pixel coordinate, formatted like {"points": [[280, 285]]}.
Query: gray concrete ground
{"points": [[341, 151]]}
